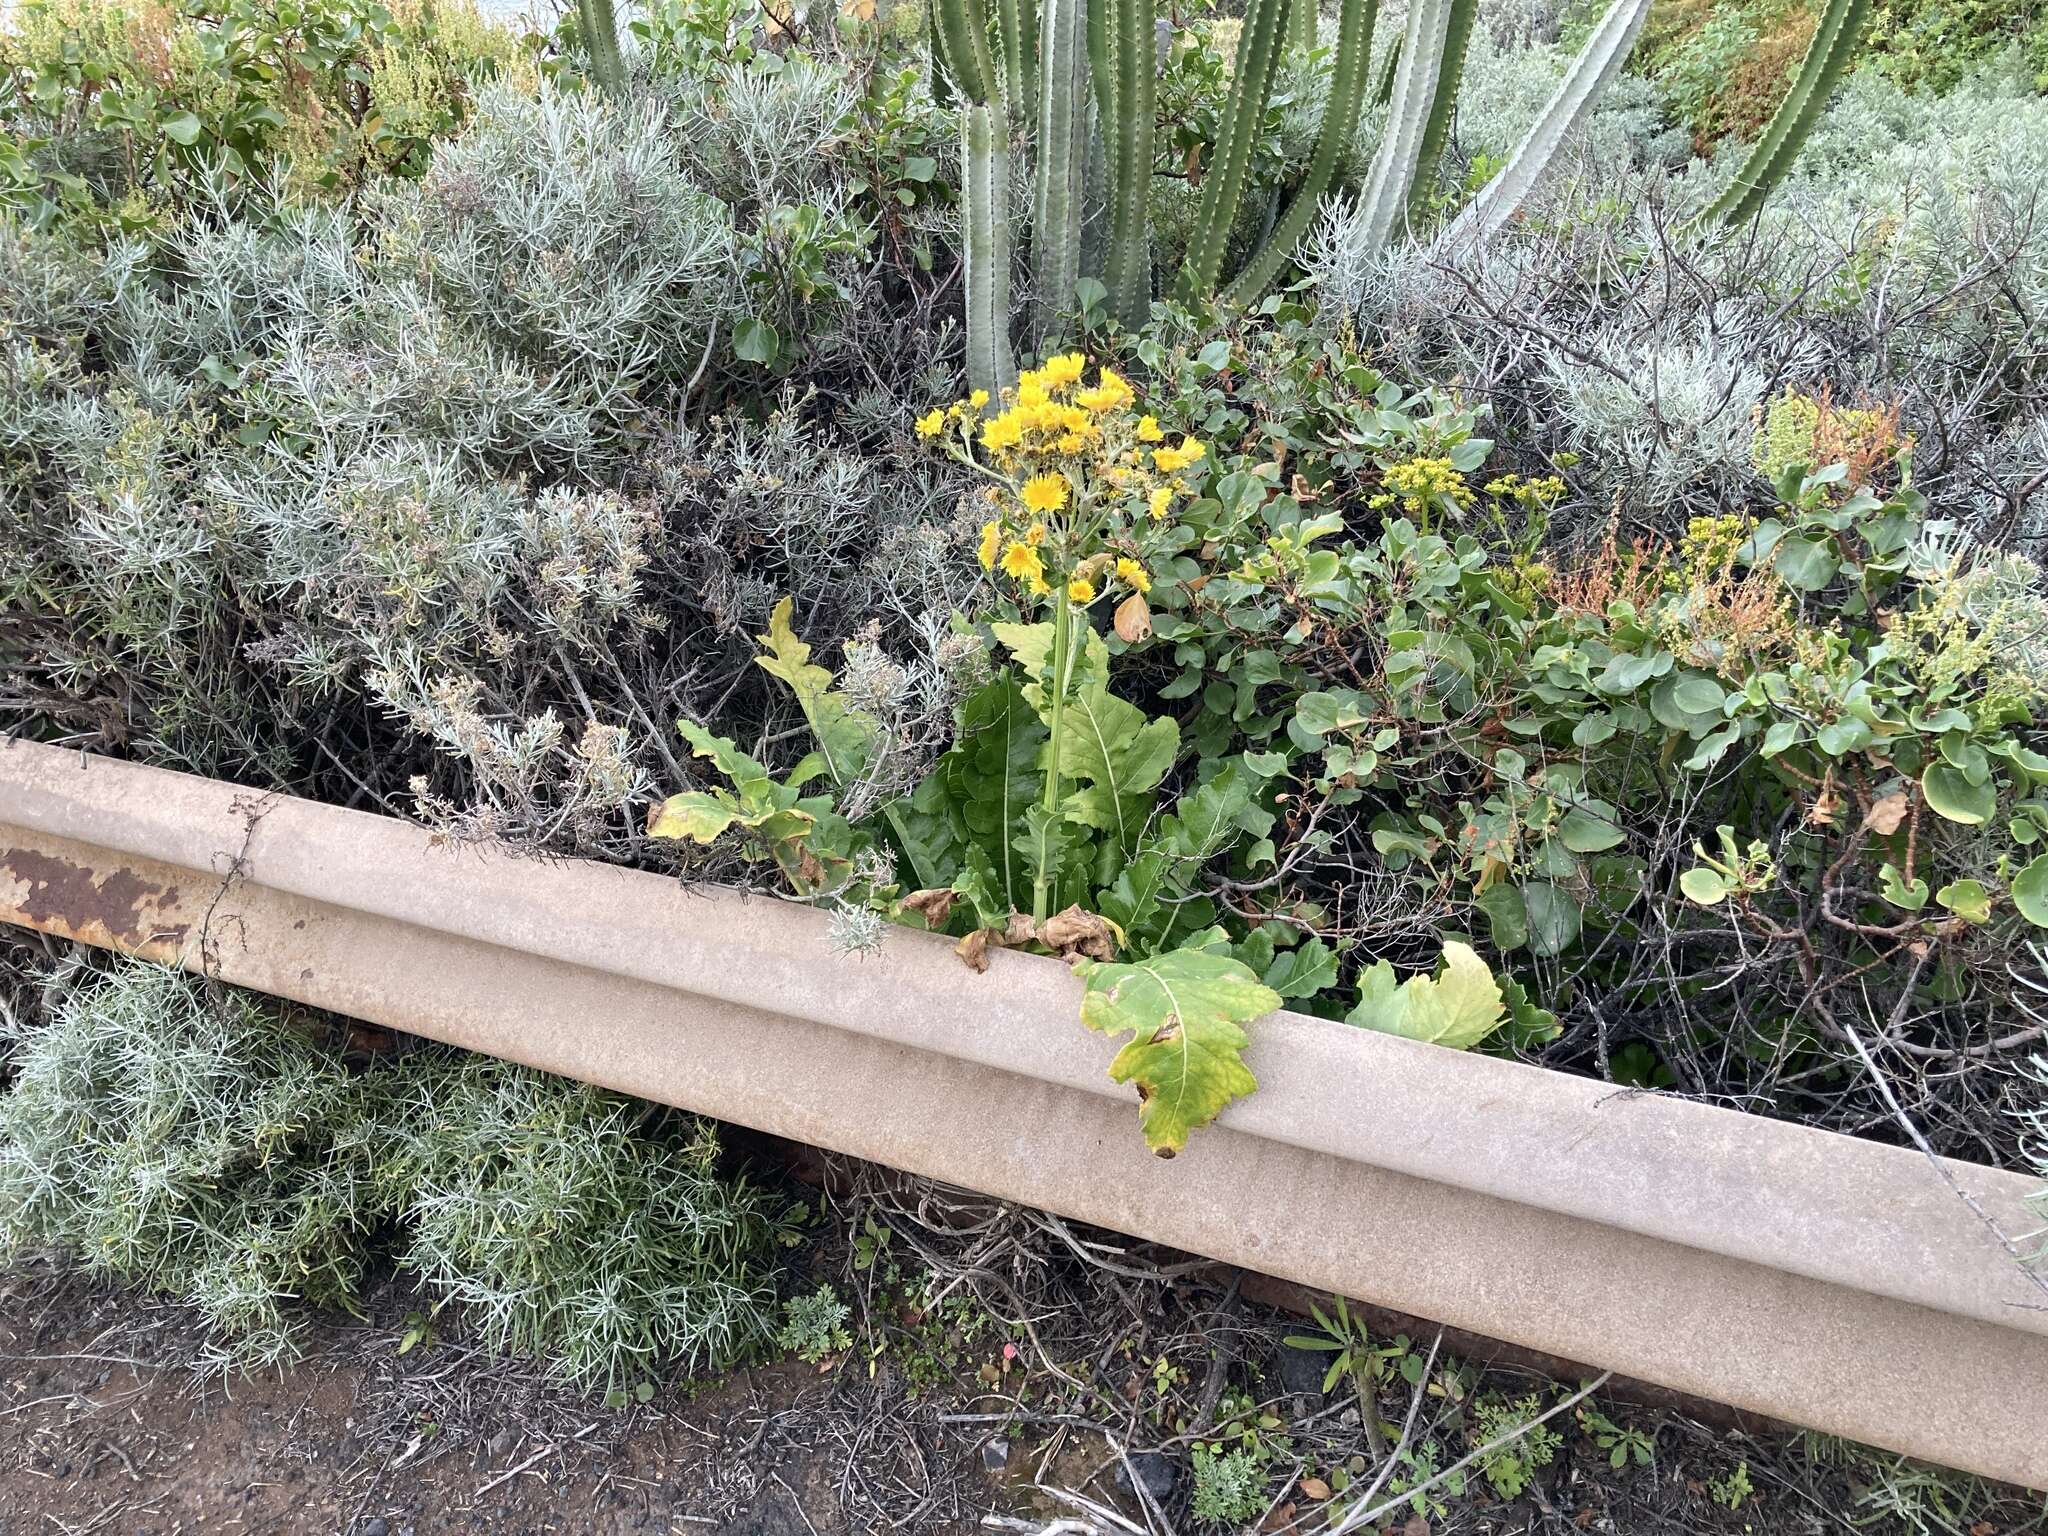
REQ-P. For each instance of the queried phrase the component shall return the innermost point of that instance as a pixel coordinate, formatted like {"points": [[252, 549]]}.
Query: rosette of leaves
{"points": [[982, 833]]}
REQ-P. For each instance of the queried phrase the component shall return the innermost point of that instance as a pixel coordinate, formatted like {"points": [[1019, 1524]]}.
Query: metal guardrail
{"points": [[1795, 1273]]}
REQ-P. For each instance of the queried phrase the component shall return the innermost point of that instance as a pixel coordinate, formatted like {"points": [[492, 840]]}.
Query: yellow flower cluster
{"points": [[1420, 484], [1078, 477]]}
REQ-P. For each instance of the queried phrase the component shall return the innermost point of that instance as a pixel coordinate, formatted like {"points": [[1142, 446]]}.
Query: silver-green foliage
{"points": [[199, 1142], [189, 1141], [571, 1223]]}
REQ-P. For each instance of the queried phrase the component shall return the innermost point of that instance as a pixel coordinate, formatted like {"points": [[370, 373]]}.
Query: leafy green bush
{"points": [[193, 1140], [108, 108]]}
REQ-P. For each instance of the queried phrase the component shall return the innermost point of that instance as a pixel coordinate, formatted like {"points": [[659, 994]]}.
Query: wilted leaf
{"points": [[1458, 1008], [844, 735], [1076, 934], [698, 817], [1134, 619], [1887, 812], [1183, 1010], [935, 906]]}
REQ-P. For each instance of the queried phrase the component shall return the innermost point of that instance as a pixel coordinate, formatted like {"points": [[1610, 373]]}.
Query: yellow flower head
{"points": [[1149, 431], [1080, 590], [1061, 371], [1045, 493], [991, 541], [1071, 442], [1001, 433], [1022, 562], [1110, 393], [1170, 460], [931, 424], [1037, 586], [1161, 499], [1133, 574], [978, 399]]}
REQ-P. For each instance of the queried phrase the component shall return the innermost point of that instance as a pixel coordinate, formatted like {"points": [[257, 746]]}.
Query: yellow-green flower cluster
{"points": [[1079, 479], [1421, 483]]}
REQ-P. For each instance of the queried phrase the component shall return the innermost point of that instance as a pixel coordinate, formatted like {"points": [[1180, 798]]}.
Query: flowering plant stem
{"points": [[1062, 667]]}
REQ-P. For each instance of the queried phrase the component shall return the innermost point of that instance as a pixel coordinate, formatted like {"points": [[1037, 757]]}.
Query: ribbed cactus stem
{"points": [[1834, 43], [984, 182], [1384, 91], [963, 32], [1340, 119], [1017, 31], [1062, 162], [1606, 50], [1450, 71], [1244, 114], [600, 29], [1383, 206], [1301, 26], [1128, 133]]}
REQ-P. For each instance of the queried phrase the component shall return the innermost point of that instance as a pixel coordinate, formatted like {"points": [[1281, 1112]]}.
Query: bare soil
{"points": [[110, 1422]]}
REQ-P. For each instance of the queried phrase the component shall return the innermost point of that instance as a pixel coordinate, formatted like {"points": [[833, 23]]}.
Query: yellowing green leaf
{"points": [[845, 736], [698, 817], [1459, 1007], [1184, 1011]]}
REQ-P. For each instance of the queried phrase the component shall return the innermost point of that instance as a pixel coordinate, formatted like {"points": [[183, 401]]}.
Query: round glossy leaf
{"points": [[2030, 892], [1703, 885], [1952, 796], [1553, 918], [756, 341], [1806, 564], [1506, 915]]}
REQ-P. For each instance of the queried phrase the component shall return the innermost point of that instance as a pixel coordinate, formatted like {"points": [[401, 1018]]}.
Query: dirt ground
{"points": [[106, 1426]]}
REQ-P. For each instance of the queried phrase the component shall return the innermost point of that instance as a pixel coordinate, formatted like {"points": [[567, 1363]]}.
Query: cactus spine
{"points": [[1834, 41], [1062, 161], [1258, 55], [1340, 117]]}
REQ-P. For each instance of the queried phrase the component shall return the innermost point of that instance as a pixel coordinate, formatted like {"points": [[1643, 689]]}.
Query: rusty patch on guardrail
{"points": [[117, 909]]}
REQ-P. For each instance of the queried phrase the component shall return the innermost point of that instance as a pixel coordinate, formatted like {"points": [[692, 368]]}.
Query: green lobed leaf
{"points": [[1184, 1011], [1458, 1008]]}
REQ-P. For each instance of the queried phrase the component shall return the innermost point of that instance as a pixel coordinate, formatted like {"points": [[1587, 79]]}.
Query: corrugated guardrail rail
{"points": [[1811, 1277]]}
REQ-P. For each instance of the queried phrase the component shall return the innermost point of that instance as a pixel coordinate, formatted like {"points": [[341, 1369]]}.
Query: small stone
{"points": [[376, 1525], [1302, 1370], [503, 1441], [1156, 1472], [995, 1455]]}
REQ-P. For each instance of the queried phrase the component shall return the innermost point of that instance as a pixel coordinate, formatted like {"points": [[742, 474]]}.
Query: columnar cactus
{"points": [[1340, 117], [1062, 161], [1258, 55], [1834, 43]]}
